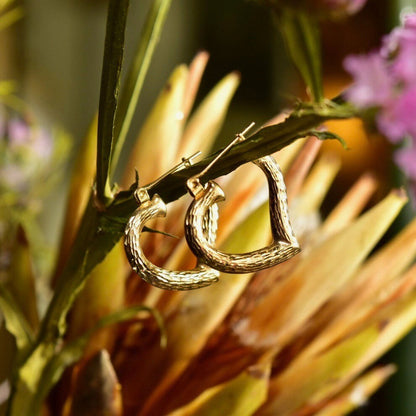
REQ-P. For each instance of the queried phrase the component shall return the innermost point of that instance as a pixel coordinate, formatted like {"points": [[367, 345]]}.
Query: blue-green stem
{"points": [[300, 31], [135, 78], [109, 91]]}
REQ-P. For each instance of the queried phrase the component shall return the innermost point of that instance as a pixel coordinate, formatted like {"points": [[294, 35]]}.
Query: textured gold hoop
{"points": [[284, 245], [201, 276]]}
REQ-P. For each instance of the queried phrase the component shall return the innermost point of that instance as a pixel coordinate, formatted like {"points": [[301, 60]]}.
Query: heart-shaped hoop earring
{"points": [[201, 276], [284, 245]]}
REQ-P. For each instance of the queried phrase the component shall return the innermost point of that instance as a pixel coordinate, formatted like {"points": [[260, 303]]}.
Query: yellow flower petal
{"points": [[241, 396], [202, 310], [205, 124], [82, 179], [158, 141], [356, 394]]}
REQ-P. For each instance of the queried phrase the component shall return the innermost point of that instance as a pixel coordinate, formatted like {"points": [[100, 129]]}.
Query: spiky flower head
{"points": [[295, 339]]}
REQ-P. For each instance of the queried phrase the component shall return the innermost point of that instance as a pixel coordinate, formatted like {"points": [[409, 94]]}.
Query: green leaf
{"points": [[11, 17], [73, 351], [15, 321], [152, 230], [48, 366], [137, 73], [109, 91], [301, 34], [241, 396], [328, 135], [266, 141]]}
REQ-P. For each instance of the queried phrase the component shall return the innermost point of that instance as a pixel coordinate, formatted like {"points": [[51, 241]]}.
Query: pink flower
{"points": [[373, 85], [27, 151], [397, 119], [401, 45], [386, 80], [18, 132], [406, 159]]}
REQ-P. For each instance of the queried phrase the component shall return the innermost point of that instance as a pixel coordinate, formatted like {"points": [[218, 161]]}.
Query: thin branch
{"points": [[110, 84], [137, 73]]}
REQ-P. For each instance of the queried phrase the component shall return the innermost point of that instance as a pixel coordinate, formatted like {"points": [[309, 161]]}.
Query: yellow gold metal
{"points": [[284, 245], [239, 137], [202, 275]]}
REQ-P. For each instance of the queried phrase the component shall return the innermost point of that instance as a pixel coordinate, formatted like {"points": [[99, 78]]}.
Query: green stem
{"points": [[110, 83], [301, 34], [137, 73]]}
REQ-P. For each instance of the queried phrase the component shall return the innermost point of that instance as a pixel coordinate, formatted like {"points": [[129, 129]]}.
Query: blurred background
{"points": [[55, 54]]}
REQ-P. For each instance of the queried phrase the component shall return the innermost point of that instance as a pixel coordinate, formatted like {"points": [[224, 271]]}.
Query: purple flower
{"points": [[27, 151], [373, 85], [386, 81], [397, 119], [18, 132], [406, 159]]}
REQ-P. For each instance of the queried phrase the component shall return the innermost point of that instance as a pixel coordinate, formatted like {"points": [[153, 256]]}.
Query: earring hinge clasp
{"points": [[142, 195]]}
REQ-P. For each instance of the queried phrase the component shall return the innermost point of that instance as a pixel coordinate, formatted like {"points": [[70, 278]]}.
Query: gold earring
{"points": [[200, 276], [284, 245]]}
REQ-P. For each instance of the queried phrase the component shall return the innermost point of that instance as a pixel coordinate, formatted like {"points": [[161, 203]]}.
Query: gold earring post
{"points": [[141, 194], [239, 137], [193, 183]]}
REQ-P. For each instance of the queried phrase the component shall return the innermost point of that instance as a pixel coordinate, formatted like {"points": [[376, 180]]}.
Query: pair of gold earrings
{"points": [[201, 226]]}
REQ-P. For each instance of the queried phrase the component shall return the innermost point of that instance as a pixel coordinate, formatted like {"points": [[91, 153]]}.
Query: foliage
{"points": [[340, 306]]}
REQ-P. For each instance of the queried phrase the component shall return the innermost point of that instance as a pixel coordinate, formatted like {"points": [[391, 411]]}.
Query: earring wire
{"points": [[194, 184], [141, 194], [239, 137]]}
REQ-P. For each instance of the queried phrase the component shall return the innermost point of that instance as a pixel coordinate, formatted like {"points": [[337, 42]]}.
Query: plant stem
{"points": [[301, 34], [110, 84], [137, 73]]}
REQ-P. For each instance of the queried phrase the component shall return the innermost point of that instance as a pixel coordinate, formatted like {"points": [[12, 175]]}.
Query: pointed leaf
{"points": [[97, 391], [327, 135], [310, 380], [300, 167], [82, 179], [373, 284], [206, 122], [351, 204], [135, 79], [318, 275], [301, 34], [358, 393], [317, 184], [158, 141], [241, 396], [102, 295], [109, 90], [15, 321], [22, 280], [10, 17], [196, 70], [296, 386], [45, 366], [204, 309], [392, 324]]}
